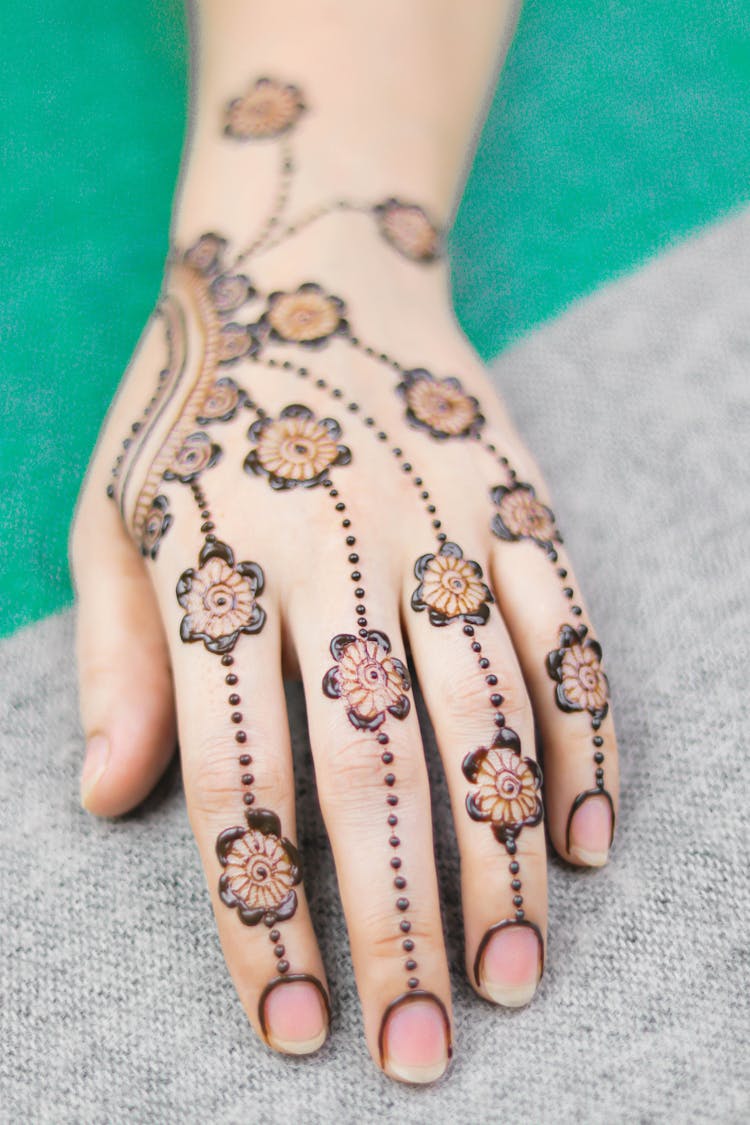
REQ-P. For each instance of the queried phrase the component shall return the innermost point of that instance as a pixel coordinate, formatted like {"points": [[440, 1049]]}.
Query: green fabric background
{"points": [[616, 128]]}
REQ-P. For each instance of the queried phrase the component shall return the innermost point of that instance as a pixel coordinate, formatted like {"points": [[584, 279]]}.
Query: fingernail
{"points": [[94, 765], [590, 830], [294, 1016], [415, 1040], [510, 962]]}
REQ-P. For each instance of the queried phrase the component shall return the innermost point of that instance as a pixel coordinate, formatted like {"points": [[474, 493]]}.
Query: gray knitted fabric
{"points": [[115, 1001]]}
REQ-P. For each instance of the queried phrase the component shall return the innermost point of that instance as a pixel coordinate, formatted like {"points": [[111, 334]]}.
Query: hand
{"points": [[306, 463]]}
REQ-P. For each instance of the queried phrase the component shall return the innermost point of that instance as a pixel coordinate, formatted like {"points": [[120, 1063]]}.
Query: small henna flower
{"points": [[198, 452], [308, 316], [521, 516], [369, 680], [408, 230], [576, 665], [296, 448], [236, 341], [439, 406], [268, 109], [205, 254], [261, 870], [220, 599], [229, 292], [450, 587], [508, 793], [221, 402], [156, 525]]}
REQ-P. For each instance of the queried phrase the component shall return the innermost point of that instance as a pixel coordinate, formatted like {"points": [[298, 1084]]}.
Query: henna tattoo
{"points": [[308, 317], [521, 516], [197, 453], [221, 403], [406, 227], [268, 109], [450, 588], [297, 449], [369, 680], [220, 598], [261, 869], [439, 406], [576, 666], [157, 524], [508, 793]]}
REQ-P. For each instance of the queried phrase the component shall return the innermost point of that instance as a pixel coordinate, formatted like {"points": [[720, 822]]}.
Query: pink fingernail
{"points": [[294, 1016], [510, 962], [590, 830], [415, 1039], [94, 765]]}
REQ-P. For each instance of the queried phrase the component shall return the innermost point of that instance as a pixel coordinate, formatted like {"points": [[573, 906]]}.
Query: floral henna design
{"points": [[205, 255], [267, 110], [221, 402], [197, 454], [261, 870], [521, 516], [309, 316], [439, 406], [369, 680], [406, 227], [295, 449], [230, 292], [237, 341], [509, 787], [450, 588], [157, 524], [220, 598], [576, 666]]}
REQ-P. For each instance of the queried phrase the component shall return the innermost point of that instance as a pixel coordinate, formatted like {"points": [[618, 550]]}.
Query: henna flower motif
{"points": [[408, 229], [369, 680], [229, 292], [205, 254], [268, 109], [439, 406], [236, 341], [508, 787], [296, 448], [221, 402], [198, 452], [521, 516], [576, 665], [157, 524], [450, 587], [261, 870], [219, 599], [309, 316]]}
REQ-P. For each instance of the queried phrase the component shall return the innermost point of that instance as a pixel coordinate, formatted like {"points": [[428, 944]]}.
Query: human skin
{"points": [[240, 522]]}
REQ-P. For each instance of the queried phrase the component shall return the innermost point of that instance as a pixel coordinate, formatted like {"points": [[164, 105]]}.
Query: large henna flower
{"points": [[268, 109], [408, 230], [229, 292], [508, 787], [197, 453], [205, 254], [156, 525], [296, 448], [450, 587], [219, 599], [521, 516], [220, 403], [261, 870], [439, 406], [576, 665], [309, 316], [369, 680]]}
